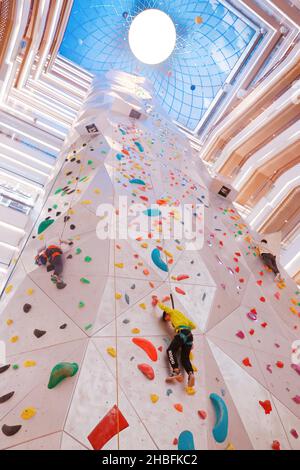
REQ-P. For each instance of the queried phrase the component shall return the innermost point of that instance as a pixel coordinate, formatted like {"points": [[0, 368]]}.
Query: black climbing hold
{"points": [[63, 327], [6, 397], [72, 227], [49, 209], [10, 430], [69, 173], [47, 218], [66, 218], [69, 256], [39, 333], [27, 308], [4, 368], [73, 160], [83, 145], [58, 214], [132, 287]]}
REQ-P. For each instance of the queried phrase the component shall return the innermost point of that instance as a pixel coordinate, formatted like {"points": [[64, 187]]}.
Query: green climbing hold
{"points": [[15, 367], [78, 251], [90, 162], [85, 281], [81, 304], [44, 225], [87, 259], [59, 190], [60, 372], [88, 327], [55, 206]]}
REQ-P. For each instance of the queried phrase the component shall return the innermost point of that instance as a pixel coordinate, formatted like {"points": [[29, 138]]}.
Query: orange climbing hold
{"points": [[147, 346], [178, 407]]}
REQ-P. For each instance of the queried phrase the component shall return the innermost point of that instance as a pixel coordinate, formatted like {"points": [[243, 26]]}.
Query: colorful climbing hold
{"points": [[60, 372], [28, 413], [147, 370], [220, 429], [156, 258], [147, 346], [112, 424], [186, 441], [111, 351], [44, 225]]}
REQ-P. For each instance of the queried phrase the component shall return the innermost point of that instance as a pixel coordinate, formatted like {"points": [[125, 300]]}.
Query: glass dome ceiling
{"points": [[212, 41]]}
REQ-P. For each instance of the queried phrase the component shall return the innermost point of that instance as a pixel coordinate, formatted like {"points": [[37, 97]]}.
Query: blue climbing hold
{"points": [[119, 156], [193, 87], [137, 181], [156, 258], [220, 429], [139, 146], [186, 441], [152, 212]]}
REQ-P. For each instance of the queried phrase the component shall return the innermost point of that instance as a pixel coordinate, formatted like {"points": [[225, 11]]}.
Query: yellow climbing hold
{"points": [[144, 245], [194, 368], [9, 322], [119, 265], [179, 248], [118, 296], [8, 289], [143, 306], [14, 339], [112, 352], [190, 390], [168, 254], [135, 331], [154, 397], [29, 363], [71, 212], [230, 447], [97, 191], [86, 202], [29, 291], [293, 310], [28, 413]]}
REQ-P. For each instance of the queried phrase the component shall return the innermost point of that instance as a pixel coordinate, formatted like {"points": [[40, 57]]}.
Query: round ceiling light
{"points": [[152, 36]]}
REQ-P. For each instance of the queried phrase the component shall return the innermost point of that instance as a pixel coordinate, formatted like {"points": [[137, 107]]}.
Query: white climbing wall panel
{"points": [[247, 323]]}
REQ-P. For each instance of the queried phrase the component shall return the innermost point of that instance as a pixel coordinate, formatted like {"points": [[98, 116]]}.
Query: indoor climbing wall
{"points": [[86, 365]]}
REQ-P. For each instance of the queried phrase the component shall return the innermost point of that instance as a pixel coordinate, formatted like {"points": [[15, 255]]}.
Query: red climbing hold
{"points": [[175, 441], [112, 424], [266, 405], [280, 364], [276, 445], [202, 414], [147, 371], [179, 291], [262, 299], [147, 346], [181, 277], [247, 362]]}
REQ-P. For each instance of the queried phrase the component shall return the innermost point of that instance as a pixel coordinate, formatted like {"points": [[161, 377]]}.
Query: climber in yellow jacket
{"points": [[182, 340]]}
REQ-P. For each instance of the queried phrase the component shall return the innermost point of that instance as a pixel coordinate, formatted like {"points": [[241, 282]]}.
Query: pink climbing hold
{"points": [[296, 399], [147, 371], [294, 433], [240, 334], [147, 346]]}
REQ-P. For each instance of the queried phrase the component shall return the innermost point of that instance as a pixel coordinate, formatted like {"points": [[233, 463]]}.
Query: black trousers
{"points": [[57, 264], [182, 341], [270, 261]]}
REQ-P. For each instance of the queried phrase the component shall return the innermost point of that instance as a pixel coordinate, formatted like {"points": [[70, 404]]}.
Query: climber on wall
{"points": [[268, 258], [183, 340], [52, 257]]}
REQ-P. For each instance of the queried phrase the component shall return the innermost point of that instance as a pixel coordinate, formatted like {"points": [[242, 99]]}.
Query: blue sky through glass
{"points": [[96, 38]]}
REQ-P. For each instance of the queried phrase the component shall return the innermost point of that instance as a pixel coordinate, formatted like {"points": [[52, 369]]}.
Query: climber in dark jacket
{"points": [[52, 258]]}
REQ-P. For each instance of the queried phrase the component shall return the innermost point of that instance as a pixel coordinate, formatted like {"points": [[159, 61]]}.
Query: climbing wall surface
{"points": [[106, 322]]}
